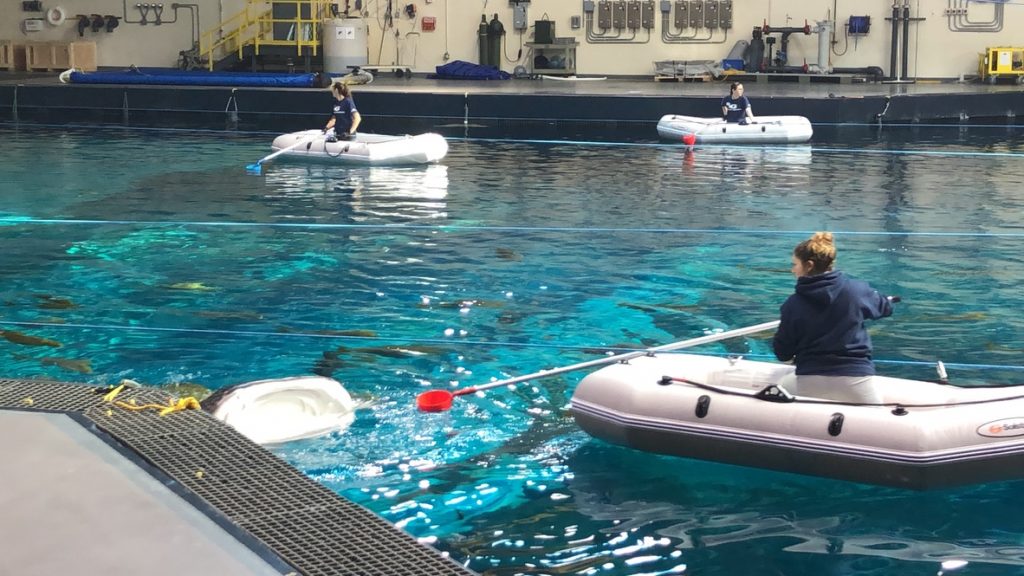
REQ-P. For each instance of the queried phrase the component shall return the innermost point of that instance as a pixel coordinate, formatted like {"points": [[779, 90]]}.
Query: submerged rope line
{"points": [[945, 153], [447, 341], [459, 227], [665, 145]]}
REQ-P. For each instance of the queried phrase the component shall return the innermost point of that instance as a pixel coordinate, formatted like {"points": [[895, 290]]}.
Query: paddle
{"points": [[257, 168], [441, 400]]}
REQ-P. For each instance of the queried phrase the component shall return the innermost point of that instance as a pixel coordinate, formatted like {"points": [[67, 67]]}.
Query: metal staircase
{"points": [[280, 27]]}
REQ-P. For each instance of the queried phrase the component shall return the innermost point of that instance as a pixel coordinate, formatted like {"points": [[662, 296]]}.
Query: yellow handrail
{"points": [[254, 26]]}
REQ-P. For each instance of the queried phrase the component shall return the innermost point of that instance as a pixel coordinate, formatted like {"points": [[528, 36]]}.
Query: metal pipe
{"points": [[893, 50], [906, 38]]}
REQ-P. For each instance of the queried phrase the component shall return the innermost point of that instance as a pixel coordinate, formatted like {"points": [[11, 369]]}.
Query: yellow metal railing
{"points": [[254, 26]]}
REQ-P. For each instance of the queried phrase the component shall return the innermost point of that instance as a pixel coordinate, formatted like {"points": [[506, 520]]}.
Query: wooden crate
{"points": [[6, 55], [82, 56], [12, 56], [39, 56], [61, 56]]}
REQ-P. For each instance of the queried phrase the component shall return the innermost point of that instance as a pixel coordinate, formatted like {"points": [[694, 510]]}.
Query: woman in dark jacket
{"points": [[344, 117], [822, 327]]}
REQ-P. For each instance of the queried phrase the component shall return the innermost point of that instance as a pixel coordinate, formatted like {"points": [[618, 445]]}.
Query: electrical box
{"points": [[544, 31], [428, 23], [575, 22], [633, 14], [619, 15], [519, 17], [588, 6], [32, 24], [682, 14], [604, 14], [697, 14], [858, 25], [647, 14], [725, 14], [711, 14]]}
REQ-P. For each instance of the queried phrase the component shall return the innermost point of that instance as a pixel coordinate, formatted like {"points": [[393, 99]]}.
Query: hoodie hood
{"points": [[821, 289]]}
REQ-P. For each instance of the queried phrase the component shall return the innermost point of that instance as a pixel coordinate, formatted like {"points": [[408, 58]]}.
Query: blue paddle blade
{"points": [[256, 168]]}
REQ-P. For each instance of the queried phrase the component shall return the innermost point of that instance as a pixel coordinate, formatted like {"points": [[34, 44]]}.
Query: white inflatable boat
{"points": [[366, 149], [285, 409], [925, 436], [763, 130]]}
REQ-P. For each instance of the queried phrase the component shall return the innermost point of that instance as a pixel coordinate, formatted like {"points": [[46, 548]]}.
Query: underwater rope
{"points": [[457, 228], [446, 341]]}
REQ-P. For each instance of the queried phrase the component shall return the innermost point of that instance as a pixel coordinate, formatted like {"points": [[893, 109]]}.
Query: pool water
{"points": [[153, 255]]}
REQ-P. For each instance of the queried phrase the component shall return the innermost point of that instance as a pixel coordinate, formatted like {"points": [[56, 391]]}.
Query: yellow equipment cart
{"points": [[995, 63]]}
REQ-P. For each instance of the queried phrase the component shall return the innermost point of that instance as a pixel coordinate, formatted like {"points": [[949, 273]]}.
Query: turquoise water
{"points": [[152, 255]]}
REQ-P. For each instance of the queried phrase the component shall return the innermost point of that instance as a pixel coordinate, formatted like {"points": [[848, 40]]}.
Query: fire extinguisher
{"points": [[482, 36], [494, 33]]}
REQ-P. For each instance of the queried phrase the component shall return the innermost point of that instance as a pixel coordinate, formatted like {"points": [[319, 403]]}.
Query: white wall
{"points": [[935, 51]]}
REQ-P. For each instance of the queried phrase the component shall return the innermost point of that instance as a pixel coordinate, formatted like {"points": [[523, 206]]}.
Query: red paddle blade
{"points": [[434, 401]]}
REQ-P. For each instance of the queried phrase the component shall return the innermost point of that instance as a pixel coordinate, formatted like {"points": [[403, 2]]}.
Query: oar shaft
{"points": [[627, 356], [283, 150]]}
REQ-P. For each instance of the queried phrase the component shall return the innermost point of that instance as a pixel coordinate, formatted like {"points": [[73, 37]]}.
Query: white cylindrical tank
{"points": [[345, 45], [824, 30]]}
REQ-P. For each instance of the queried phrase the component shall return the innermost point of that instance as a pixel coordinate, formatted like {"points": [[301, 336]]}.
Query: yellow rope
{"points": [[189, 403]]}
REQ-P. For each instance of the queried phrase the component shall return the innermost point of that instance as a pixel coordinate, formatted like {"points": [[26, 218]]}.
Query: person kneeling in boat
{"points": [[345, 118], [736, 107], [821, 328]]}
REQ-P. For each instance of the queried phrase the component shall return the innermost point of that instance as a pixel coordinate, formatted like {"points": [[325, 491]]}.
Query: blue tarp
{"points": [[174, 77], [460, 70]]}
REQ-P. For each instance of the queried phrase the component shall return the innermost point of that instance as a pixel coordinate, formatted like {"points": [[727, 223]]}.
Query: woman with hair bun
{"points": [[822, 331]]}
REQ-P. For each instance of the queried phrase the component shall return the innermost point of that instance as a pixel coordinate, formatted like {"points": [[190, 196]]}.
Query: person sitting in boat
{"points": [[735, 106], [821, 328], [345, 118]]}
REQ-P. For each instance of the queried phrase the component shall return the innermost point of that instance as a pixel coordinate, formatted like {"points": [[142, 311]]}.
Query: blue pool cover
{"points": [[170, 76]]}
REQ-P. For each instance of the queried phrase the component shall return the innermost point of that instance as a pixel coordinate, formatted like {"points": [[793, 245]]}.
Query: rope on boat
{"points": [[768, 395]]}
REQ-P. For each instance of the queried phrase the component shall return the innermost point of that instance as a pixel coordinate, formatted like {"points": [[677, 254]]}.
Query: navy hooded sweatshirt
{"points": [[822, 325]]}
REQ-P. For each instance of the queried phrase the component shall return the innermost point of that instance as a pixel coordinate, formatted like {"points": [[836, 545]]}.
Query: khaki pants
{"points": [[859, 389]]}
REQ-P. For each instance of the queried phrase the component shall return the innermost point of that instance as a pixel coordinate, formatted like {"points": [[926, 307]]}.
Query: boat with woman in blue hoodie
{"points": [[824, 414], [822, 330]]}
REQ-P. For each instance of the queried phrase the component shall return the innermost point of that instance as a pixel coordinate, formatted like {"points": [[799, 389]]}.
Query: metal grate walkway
{"points": [[306, 525]]}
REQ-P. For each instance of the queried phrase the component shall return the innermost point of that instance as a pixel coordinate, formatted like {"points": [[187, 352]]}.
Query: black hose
{"points": [[894, 49], [906, 38]]}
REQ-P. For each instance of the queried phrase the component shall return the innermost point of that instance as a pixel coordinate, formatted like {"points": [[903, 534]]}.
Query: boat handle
{"points": [[835, 425]]}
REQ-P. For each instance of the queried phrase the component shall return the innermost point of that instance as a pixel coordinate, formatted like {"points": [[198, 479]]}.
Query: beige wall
{"points": [[935, 51]]}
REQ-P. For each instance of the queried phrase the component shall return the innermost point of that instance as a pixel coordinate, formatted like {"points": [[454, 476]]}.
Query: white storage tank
{"points": [[345, 44]]}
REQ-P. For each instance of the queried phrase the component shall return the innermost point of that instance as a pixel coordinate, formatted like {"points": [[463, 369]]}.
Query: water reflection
{"points": [[701, 506], [374, 193]]}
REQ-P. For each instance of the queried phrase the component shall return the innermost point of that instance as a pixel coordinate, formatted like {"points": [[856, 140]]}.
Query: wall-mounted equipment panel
{"points": [[647, 14], [711, 14], [619, 15], [682, 13], [725, 14], [604, 14], [697, 14], [633, 14]]}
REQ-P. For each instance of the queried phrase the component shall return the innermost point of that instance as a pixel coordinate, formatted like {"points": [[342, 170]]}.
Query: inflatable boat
{"points": [[763, 130], [925, 435], [284, 409], [366, 149]]}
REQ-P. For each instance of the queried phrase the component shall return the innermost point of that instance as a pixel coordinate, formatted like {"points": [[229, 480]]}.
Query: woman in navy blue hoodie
{"points": [[822, 327]]}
